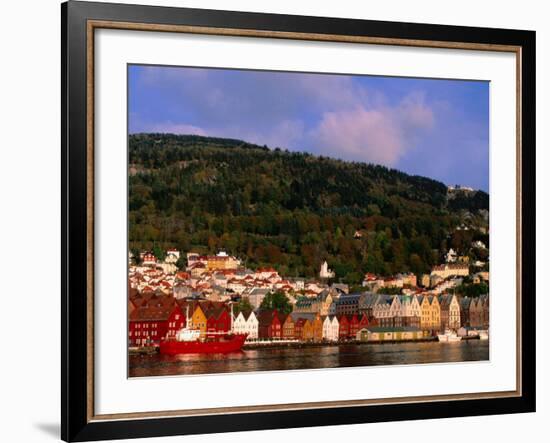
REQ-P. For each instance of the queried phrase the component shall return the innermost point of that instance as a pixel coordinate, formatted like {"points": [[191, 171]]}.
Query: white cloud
{"points": [[176, 128], [379, 135]]}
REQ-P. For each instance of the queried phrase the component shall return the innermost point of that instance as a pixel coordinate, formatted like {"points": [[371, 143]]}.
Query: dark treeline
{"points": [[287, 209]]}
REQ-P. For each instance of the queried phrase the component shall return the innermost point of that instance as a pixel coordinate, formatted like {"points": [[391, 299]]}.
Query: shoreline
{"points": [[147, 350]]}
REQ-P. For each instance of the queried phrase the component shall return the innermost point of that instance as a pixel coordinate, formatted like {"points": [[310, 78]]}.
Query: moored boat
{"points": [[192, 341], [449, 337], [189, 341]]}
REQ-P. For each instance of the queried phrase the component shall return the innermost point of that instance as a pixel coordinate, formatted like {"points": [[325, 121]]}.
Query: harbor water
{"points": [[315, 357]]}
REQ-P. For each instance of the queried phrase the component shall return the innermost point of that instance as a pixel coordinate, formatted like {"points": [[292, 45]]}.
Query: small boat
{"points": [[190, 341], [484, 335], [448, 337]]}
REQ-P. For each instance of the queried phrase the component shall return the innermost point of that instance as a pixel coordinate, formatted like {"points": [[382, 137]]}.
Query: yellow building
{"points": [[198, 320], [430, 317], [221, 261], [436, 313]]}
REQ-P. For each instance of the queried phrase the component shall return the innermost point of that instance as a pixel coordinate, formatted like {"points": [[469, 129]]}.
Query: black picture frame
{"points": [[76, 423]]}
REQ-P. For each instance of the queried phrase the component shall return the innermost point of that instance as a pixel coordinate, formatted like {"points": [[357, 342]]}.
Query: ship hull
{"points": [[231, 343]]}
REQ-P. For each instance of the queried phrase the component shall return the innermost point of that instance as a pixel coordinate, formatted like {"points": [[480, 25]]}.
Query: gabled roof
{"points": [[266, 316], [151, 313]]}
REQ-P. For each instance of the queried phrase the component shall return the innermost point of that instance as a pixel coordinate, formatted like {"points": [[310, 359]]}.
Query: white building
{"points": [[171, 258], [451, 256], [173, 252], [331, 328], [246, 324], [450, 270], [325, 272]]}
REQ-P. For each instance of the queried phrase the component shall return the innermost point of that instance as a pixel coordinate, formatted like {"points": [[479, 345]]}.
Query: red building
{"points": [[149, 324], [298, 328], [353, 326], [364, 322], [343, 332], [270, 324], [218, 321]]}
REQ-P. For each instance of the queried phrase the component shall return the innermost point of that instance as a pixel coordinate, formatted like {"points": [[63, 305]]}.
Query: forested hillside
{"points": [[290, 210]]}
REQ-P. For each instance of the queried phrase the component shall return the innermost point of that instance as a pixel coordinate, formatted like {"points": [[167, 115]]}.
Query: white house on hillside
{"points": [[451, 256], [325, 272]]}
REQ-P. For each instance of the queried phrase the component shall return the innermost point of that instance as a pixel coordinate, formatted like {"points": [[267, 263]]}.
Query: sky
{"points": [[430, 127]]}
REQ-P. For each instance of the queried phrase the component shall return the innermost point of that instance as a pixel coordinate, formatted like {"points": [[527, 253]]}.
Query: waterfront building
{"points": [[246, 323], [476, 313], [270, 324], [366, 303], [298, 327], [353, 326], [307, 330], [317, 325], [385, 309], [218, 321], [198, 319], [430, 315], [389, 334], [288, 328], [330, 328], [148, 325], [347, 304], [363, 321], [410, 312], [239, 323], [465, 305], [450, 312], [343, 331]]}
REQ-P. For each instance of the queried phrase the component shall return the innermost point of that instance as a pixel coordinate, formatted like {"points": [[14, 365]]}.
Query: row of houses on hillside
{"points": [[373, 282]]}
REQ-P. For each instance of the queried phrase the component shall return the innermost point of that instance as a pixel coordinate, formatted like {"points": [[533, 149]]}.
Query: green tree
{"points": [[135, 256], [277, 300], [159, 253], [182, 261], [243, 305], [389, 290]]}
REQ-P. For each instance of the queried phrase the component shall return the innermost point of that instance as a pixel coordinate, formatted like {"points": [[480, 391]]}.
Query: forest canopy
{"points": [[291, 210]]}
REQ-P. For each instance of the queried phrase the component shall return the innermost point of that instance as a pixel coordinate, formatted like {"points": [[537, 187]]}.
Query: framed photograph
{"points": [[277, 221]]}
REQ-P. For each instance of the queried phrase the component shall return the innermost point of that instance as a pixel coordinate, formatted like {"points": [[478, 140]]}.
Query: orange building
{"points": [[198, 319], [317, 326], [307, 331]]}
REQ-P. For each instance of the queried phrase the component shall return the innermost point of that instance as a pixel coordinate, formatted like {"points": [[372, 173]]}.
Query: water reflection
{"points": [[309, 358]]}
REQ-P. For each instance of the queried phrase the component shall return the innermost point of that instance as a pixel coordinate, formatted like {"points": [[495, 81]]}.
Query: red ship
{"points": [[189, 341]]}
